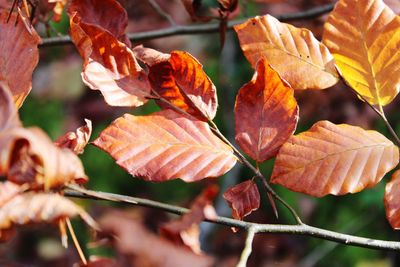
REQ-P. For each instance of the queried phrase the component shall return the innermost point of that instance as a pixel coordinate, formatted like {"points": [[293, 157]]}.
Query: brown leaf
{"points": [[334, 159], [274, 114], [107, 14], [150, 56], [146, 249], [182, 81], [8, 111], [186, 231], [392, 200], [33, 207], [294, 53], [243, 198], [76, 141], [8, 190], [166, 145], [19, 56], [228, 5], [109, 65], [29, 156]]}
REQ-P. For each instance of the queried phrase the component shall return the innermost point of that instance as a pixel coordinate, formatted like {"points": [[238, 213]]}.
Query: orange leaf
{"points": [[166, 145], [392, 200], [109, 65], [29, 156], [8, 190], [334, 159], [243, 198], [76, 141], [8, 111], [182, 81], [274, 114], [19, 56], [294, 53], [107, 14]]}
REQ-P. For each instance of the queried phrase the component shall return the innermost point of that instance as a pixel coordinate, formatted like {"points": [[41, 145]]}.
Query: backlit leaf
{"points": [[243, 198], [266, 114], [166, 145], [76, 141], [19, 56], [8, 111], [392, 200], [334, 159], [364, 37], [182, 81], [294, 53]]}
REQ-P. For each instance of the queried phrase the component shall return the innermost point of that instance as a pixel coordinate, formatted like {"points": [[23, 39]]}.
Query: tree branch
{"points": [[247, 248], [302, 229], [197, 28]]}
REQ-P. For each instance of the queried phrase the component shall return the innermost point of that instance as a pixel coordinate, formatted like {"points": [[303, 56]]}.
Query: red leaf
{"points": [[76, 141], [274, 113], [392, 200], [243, 198], [166, 145], [8, 111]]}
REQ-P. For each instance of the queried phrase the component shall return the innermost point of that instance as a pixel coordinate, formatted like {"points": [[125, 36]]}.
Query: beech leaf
{"points": [[334, 159], [274, 113], [243, 199], [294, 53], [392, 200], [76, 141], [8, 190], [364, 37], [19, 56], [182, 81], [166, 145], [150, 56], [8, 111]]}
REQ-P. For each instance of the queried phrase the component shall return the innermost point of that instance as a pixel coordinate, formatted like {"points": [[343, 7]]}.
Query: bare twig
{"points": [[161, 12], [247, 248], [76, 243], [197, 28]]}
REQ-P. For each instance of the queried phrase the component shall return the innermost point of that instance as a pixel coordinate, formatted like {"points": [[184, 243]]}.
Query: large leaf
{"points": [[182, 81], [19, 56], [334, 159], [364, 37], [392, 200], [295, 53], [8, 111], [166, 145], [109, 65], [266, 114]]}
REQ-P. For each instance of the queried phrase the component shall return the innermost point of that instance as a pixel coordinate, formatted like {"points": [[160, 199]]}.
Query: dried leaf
{"points": [[8, 190], [166, 145], [392, 200], [243, 198], [294, 53], [107, 14], [334, 159], [29, 156], [8, 111], [150, 56], [228, 5], [182, 81], [186, 231], [364, 37], [109, 65], [76, 141], [274, 114], [19, 56]]}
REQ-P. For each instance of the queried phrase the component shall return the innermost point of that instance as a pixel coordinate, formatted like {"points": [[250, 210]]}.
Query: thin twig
{"points": [[77, 246], [247, 248], [161, 12], [302, 229], [197, 28]]}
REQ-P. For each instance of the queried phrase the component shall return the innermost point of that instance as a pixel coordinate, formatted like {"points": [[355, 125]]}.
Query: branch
{"points": [[196, 28], [302, 229], [161, 12], [247, 248]]}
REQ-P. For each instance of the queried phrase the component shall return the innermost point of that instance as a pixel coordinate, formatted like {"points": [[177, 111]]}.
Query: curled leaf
{"points": [[8, 111], [392, 200], [166, 145], [294, 53], [76, 141], [149, 56], [334, 159], [274, 113]]}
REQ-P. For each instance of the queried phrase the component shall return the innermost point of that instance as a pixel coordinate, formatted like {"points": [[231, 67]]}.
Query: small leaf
{"points": [[150, 56], [8, 111], [182, 81], [19, 56], [364, 37], [166, 145], [109, 65], [392, 200], [294, 53], [274, 114], [243, 199], [76, 141], [334, 159]]}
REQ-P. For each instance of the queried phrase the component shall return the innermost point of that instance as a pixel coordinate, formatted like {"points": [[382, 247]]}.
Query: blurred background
{"points": [[59, 102]]}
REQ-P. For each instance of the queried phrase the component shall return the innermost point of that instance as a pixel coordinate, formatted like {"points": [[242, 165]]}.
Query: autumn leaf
{"points": [[243, 199], [334, 159], [150, 56], [228, 5], [19, 56], [392, 201], [274, 113], [182, 81], [106, 14], [294, 53], [109, 65], [186, 231], [76, 141], [364, 37], [166, 145], [29, 156], [8, 190], [8, 111]]}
